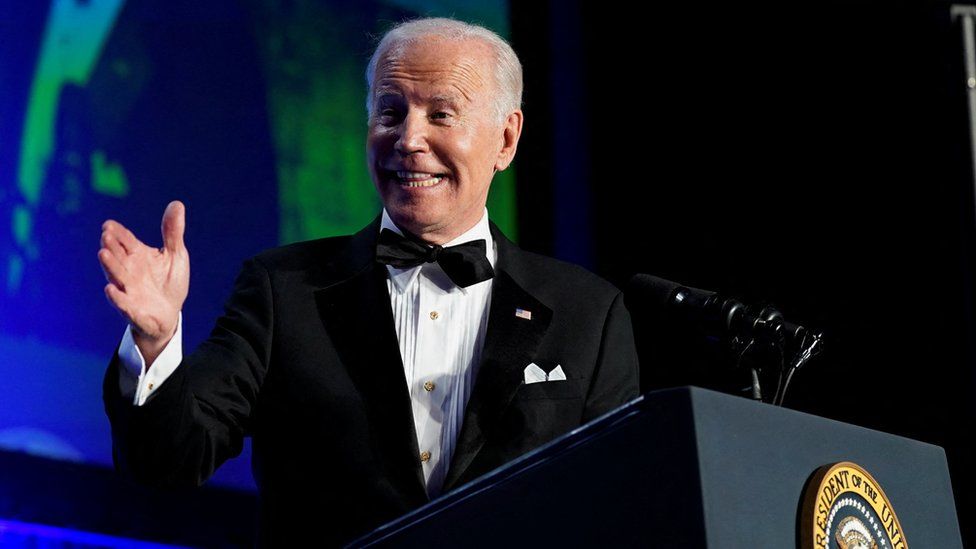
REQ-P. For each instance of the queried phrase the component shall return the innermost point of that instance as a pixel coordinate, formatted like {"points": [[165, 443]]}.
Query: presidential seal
{"points": [[845, 508]]}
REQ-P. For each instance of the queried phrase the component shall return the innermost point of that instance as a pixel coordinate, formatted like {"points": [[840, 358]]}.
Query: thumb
{"points": [[174, 223]]}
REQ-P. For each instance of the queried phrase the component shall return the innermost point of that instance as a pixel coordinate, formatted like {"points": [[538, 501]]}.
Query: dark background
{"points": [[814, 156]]}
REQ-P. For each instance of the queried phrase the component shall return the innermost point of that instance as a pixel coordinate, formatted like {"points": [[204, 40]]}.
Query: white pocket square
{"points": [[535, 374]]}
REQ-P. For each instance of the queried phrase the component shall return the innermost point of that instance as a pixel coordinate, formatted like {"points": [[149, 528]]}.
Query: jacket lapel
{"points": [[510, 345], [355, 307]]}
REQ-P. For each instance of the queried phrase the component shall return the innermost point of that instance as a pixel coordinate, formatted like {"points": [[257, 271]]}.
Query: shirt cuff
{"points": [[134, 381]]}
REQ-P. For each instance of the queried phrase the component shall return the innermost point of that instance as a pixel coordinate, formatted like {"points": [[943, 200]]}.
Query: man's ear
{"points": [[511, 131]]}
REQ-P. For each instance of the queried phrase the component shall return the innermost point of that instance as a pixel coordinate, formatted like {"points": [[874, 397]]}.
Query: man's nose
{"points": [[413, 135]]}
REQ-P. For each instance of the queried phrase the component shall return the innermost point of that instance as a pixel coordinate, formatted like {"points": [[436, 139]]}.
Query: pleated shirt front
{"points": [[441, 331]]}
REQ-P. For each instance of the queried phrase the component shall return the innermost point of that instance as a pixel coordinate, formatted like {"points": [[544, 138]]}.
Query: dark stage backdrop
{"points": [[814, 156]]}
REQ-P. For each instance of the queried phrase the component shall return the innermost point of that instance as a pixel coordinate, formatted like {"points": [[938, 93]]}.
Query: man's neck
{"points": [[431, 239]]}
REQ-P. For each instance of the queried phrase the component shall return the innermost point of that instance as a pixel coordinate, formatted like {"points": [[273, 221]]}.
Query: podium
{"points": [[682, 467]]}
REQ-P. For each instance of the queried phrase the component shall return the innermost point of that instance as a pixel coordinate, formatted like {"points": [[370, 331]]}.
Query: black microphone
{"points": [[711, 312], [715, 315]]}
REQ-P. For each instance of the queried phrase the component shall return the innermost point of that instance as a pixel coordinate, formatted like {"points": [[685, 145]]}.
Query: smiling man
{"points": [[440, 126], [379, 370]]}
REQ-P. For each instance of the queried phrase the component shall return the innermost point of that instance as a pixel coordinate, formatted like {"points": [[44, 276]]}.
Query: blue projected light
{"points": [[40, 536], [245, 111], [116, 107]]}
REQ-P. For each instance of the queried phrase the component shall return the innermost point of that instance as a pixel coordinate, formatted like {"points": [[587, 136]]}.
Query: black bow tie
{"points": [[465, 264]]}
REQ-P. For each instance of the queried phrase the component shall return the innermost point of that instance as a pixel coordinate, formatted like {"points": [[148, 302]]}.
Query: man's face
{"points": [[434, 139]]}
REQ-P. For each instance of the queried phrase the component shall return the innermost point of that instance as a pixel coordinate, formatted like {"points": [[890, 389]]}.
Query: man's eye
{"points": [[388, 116], [440, 115]]}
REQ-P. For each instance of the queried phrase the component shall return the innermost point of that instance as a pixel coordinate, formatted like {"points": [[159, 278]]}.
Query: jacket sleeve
{"points": [[615, 379], [199, 417]]}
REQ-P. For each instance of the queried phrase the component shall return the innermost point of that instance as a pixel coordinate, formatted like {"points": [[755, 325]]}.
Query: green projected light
{"points": [[108, 178], [73, 40]]}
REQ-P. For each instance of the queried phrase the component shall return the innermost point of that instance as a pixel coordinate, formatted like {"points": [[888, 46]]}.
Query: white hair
{"points": [[507, 70]]}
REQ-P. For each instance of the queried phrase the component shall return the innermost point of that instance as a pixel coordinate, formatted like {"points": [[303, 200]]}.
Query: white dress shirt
{"points": [[134, 381], [441, 331]]}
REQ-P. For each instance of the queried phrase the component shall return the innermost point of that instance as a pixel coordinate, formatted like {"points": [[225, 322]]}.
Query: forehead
{"points": [[436, 66]]}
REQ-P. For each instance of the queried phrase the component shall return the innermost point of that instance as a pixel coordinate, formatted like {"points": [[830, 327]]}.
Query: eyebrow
{"points": [[385, 92], [450, 99]]}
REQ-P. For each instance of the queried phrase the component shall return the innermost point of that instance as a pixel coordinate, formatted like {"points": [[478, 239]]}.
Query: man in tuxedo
{"points": [[379, 370]]}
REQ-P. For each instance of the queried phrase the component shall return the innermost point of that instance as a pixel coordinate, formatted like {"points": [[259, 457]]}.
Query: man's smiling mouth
{"points": [[416, 179]]}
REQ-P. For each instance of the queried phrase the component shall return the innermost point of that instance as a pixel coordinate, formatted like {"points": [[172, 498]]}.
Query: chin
{"points": [[414, 219]]}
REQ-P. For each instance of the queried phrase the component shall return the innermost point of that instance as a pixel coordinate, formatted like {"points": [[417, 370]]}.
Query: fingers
{"points": [[119, 300], [110, 243], [122, 235], [115, 271], [174, 224]]}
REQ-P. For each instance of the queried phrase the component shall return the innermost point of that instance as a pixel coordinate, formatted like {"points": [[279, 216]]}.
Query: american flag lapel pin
{"points": [[523, 313]]}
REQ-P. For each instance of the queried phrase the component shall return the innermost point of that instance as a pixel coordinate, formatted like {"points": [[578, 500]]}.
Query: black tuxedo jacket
{"points": [[306, 361]]}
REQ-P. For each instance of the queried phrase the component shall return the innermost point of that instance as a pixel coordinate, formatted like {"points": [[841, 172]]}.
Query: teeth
{"points": [[414, 175], [418, 179], [424, 183]]}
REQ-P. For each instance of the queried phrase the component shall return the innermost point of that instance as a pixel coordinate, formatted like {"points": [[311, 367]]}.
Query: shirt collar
{"points": [[402, 278]]}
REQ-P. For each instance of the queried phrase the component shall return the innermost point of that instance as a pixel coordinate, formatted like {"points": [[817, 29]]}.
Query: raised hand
{"points": [[147, 285]]}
